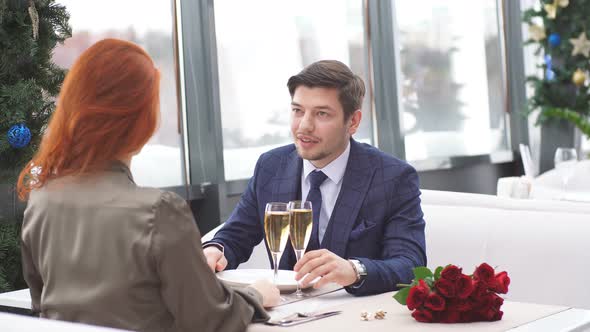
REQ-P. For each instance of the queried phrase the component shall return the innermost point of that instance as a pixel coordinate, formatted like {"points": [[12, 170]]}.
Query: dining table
{"points": [[518, 316]]}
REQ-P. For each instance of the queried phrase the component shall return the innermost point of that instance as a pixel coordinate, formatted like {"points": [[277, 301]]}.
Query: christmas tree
{"points": [[560, 30], [29, 83]]}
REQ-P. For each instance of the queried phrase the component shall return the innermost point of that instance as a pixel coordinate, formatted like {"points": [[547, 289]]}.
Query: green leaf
{"points": [[402, 295], [437, 272], [429, 281], [422, 272]]}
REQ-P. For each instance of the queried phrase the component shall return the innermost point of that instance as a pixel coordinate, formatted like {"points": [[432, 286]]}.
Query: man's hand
{"points": [[325, 264], [215, 258]]}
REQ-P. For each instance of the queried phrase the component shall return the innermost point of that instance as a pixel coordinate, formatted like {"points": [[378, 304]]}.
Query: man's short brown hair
{"points": [[332, 74]]}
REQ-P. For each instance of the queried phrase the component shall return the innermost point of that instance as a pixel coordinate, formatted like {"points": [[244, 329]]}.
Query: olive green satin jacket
{"points": [[101, 250]]}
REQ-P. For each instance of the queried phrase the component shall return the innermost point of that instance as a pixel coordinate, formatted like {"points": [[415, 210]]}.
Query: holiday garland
{"points": [[560, 30]]}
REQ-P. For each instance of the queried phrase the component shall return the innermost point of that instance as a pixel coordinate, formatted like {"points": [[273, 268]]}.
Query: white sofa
{"points": [[544, 245]]}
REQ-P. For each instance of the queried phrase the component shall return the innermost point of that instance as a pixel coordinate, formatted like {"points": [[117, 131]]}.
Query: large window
{"points": [[531, 62], [149, 24], [452, 78], [260, 44]]}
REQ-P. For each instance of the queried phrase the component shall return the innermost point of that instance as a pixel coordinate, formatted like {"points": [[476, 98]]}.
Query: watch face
{"points": [[363, 269], [360, 267]]}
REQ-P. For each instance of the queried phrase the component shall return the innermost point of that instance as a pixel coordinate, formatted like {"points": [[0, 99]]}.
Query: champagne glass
{"points": [[276, 229], [565, 160], [300, 230]]}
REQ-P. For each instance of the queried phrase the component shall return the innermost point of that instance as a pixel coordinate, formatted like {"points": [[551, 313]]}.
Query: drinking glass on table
{"points": [[276, 230], [300, 230], [565, 160]]}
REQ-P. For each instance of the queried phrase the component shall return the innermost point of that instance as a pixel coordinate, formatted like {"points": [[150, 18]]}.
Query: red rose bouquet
{"points": [[449, 296]]}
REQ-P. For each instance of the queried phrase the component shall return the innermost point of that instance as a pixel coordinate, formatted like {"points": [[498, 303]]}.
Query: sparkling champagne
{"points": [[276, 228], [301, 224]]}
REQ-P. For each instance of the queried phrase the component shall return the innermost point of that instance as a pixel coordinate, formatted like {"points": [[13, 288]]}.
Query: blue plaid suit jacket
{"points": [[377, 218]]}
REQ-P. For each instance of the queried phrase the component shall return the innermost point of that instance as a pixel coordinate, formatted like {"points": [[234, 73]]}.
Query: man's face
{"points": [[318, 126]]}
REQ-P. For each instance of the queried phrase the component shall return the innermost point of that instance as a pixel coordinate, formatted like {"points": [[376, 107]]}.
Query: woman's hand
{"points": [[270, 293]]}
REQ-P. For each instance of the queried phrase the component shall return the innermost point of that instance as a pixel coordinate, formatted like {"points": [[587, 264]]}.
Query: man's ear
{"points": [[354, 122]]}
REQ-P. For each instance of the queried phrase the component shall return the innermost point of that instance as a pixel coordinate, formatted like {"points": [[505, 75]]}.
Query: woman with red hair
{"points": [[97, 248]]}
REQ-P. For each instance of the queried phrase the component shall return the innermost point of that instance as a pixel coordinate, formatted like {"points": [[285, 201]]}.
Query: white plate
{"points": [[244, 277]]}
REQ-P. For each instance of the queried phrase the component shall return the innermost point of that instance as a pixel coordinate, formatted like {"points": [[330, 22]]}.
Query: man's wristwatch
{"points": [[360, 269]]}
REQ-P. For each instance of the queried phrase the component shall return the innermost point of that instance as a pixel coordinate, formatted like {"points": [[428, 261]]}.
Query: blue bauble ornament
{"points": [[549, 73], [554, 40], [19, 136], [549, 61]]}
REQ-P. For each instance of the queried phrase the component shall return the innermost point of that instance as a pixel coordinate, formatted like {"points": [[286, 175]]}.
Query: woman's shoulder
{"points": [[158, 199], [90, 193], [120, 195], [173, 217], [171, 199]]}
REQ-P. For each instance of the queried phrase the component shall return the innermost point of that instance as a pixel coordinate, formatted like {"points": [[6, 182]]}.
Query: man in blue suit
{"points": [[368, 227]]}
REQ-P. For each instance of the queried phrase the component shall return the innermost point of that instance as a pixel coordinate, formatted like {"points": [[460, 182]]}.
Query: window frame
{"points": [[200, 90]]}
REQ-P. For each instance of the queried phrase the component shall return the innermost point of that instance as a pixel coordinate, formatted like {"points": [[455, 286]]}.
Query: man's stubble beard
{"points": [[312, 156]]}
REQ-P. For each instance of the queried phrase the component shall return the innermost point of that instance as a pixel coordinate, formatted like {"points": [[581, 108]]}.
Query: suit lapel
{"points": [[357, 178], [287, 179]]}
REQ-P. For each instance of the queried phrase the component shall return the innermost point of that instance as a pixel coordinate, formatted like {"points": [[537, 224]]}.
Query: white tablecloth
{"points": [[398, 317]]}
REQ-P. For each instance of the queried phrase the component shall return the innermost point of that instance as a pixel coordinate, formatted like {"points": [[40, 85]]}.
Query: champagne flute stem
{"points": [[298, 254], [275, 258]]}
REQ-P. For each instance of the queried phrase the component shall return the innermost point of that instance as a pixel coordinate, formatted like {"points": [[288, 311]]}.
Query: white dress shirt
{"points": [[330, 188]]}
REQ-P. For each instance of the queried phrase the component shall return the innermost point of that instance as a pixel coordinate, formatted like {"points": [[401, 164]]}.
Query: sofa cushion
{"points": [[544, 253]]}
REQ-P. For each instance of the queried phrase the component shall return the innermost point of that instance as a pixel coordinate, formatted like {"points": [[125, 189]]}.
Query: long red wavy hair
{"points": [[108, 108]]}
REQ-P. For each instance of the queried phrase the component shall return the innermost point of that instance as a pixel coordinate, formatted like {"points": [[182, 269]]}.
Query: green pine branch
{"points": [[29, 80], [579, 120], [10, 264], [560, 98]]}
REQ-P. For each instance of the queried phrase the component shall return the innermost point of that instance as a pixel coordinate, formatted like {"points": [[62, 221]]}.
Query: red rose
{"points": [[484, 273], [464, 286], [485, 302], [500, 283], [480, 315], [451, 272], [471, 316], [422, 315], [417, 295], [460, 305], [445, 287], [497, 301], [449, 316], [488, 314], [479, 289], [498, 315], [456, 297], [435, 302]]}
